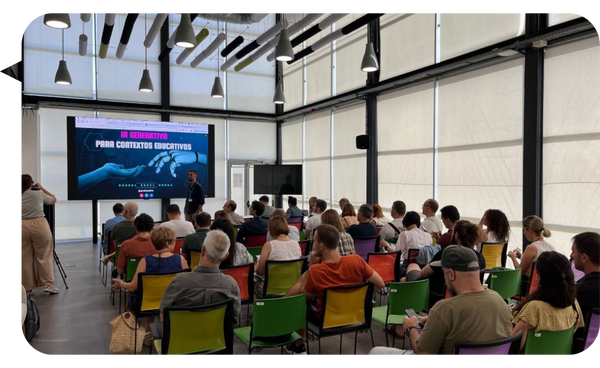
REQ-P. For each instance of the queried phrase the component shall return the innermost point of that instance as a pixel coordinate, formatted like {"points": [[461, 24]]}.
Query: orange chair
{"points": [[528, 287], [256, 240], [244, 276], [387, 265], [178, 245]]}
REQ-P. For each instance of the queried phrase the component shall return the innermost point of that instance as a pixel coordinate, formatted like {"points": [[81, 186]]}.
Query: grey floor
{"points": [[76, 321]]}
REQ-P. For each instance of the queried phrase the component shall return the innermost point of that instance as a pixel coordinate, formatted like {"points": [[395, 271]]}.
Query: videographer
{"points": [[37, 268]]}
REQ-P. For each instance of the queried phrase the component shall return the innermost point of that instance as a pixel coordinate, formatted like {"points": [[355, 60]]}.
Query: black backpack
{"points": [[32, 318]]}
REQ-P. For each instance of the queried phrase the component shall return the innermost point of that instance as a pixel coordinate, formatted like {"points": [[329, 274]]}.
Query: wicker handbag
{"points": [[123, 333]]}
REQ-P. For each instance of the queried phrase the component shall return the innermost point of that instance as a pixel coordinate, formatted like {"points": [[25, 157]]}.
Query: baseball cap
{"points": [[458, 258]]}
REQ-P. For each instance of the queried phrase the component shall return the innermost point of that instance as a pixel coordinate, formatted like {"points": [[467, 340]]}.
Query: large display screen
{"points": [[131, 159], [278, 179]]}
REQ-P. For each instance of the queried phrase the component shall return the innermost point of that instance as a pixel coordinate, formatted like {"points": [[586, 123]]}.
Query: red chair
{"points": [[412, 255], [244, 277], [178, 245], [378, 228], [297, 225], [305, 247], [256, 240]]}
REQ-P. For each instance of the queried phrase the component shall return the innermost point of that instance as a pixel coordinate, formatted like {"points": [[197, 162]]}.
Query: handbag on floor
{"points": [[123, 334]]}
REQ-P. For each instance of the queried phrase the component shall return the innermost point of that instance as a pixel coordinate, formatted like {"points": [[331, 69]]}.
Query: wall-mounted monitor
{"points": [[127, 159], [278, 179]]}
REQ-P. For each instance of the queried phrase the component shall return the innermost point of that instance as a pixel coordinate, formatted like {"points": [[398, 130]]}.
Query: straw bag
{"points": [[123, 333]]}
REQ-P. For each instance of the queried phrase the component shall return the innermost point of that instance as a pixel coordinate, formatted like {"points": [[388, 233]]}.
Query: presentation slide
{"points": [[126, 159]]}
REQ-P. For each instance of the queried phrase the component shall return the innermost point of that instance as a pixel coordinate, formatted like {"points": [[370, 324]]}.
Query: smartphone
{"points": [[411, 313]]}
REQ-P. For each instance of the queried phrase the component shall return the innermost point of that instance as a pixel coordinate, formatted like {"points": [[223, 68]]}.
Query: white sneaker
{"points": [[50, 289]]}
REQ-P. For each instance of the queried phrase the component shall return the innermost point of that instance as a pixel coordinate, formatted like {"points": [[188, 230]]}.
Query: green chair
{"points": [[112, 292], [402, 296], [274, 323], [507, 283], [549, 342], [199, 330], [255, 251], [280, 276], [132, 264]]}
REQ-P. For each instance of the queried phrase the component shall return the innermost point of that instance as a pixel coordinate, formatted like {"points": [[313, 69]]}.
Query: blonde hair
{"points": [[277, 226], [536, 224], [331, 217], [161, 236]]}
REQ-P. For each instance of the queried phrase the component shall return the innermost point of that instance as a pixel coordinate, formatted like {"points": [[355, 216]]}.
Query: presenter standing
{"points": [[195, 197]]}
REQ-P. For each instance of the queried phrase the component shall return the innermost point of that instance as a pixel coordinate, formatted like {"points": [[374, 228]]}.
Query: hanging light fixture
{"points": [[185, 36], [57, 20], [279, 97], [369, 61], [284, 50], [217, 88], [146, 81], [62, 74]]}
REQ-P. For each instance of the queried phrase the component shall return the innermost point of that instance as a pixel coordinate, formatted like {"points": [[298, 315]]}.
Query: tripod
{"points": [[63, 274]]}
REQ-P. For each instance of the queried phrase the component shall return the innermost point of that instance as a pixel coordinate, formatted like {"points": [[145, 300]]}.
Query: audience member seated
{"points": [[412, 238], [229, 207], [175, 223], [328, 269], [280, 248], [497, 228], [431, 223], [138, 246], [268, 208], [552, 306], [220, 214], [465, 234], [315, 220], [194, 241], [535, 231], [293, 234], [585, 254], [390, 231], [378, 218], [364, 226], [123, 230], [110, 223], [205, 284], [238, 254], [293, 210], [450, 216], [257, 225], [346, 244], [311, 206], [348, 216], [343, 202], [473, 314]]}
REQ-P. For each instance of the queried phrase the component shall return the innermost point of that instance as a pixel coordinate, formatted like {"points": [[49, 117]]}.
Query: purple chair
{"points": [[592, 325], [363, 245], [509, 345], [578, 274]]}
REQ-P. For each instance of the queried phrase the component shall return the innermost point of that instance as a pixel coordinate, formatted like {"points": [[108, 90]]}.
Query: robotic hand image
{"points": [[177, 158]]}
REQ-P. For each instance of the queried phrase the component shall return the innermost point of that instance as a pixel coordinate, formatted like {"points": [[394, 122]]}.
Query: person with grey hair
{"points": [[294, 232], [365, 227], [205, 284]]}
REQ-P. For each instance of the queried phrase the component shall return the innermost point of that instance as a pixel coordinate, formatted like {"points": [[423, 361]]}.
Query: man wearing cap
{"points": [[472, 314]]}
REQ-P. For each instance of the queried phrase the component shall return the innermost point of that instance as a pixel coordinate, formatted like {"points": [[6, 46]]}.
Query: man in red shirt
{"points": [[138, 246], [327, 269]]}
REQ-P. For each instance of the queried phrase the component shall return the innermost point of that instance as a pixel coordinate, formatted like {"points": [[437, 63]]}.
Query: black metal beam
{"points": [[372, 178]]}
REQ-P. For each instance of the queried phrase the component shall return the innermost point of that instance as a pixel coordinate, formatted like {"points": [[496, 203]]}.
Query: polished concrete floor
{"points": [[76, 321]]}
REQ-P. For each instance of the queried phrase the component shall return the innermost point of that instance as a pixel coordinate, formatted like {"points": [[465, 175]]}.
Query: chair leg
{"points": [[135, 336], [372, 339], [319, 345], [386, 337], [355, 340], [341, 344]]}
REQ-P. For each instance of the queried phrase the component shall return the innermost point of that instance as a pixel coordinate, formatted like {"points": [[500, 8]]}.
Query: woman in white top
{"points": [[535, 232], [281, 248], [378, 218], [37, 261], [412, 238], [497, 228]]}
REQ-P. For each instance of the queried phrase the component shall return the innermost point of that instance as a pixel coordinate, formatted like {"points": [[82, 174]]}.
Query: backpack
{"points": [[32, 319]]}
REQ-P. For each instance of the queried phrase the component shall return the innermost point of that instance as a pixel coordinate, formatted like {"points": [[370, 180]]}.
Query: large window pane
{"points": [[349, 52], [317, 154]]}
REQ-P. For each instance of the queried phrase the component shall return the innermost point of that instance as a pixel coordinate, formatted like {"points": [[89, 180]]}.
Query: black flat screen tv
{"points": [[278, 179], [134, 159]]}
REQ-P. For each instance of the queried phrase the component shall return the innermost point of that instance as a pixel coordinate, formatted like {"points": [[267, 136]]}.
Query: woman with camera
{"points": [[37, 267]]}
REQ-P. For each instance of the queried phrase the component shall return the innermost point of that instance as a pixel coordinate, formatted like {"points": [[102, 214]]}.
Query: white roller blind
{"points": [[293, 83], [317, 154], [571, 180], [291, 142], [251, 140], [554, 19], [349, 53], [318, 70]]}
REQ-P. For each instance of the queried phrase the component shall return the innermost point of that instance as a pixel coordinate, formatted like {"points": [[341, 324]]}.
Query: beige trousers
{"points": [[37, 262]]}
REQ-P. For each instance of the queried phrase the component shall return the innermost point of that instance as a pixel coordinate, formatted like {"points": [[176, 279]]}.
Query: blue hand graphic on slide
{"points": [[176, 159], [108, 171]]}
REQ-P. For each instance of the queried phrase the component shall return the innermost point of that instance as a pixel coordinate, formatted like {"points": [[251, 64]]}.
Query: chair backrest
{"points": [[117, 252], [533, 280], [151, 288], [255, 252], [549, 342], [378, 229], [205, 329], [292, 220], [278, 317], [505, 282], [305, 247], [280, 276], [193, 258], [297, 225], [347, 308], [408, 295], [510, 345], [178, 245], [412, 255], [132, 264], [387, 265], [256, 240], [494, 254], [578, 274], [244, 276], [235, 231], [363, 245], [591, 327]]}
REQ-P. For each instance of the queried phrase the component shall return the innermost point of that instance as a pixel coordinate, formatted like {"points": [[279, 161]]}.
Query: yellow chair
{"points": [[280, 276], [193, 258], [494, 254], [207, 329], [345, 309]]}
